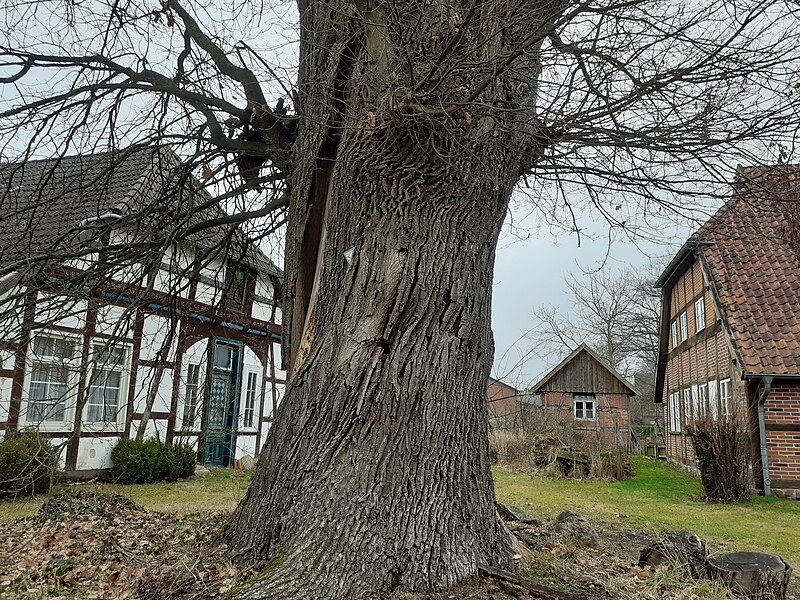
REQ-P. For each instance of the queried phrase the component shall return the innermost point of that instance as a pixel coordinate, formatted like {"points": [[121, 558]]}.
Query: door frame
{"points": [[236, 381]]}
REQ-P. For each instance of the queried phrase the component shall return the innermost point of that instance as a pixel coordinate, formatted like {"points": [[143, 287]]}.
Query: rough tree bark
{"points": [[375, 475]]}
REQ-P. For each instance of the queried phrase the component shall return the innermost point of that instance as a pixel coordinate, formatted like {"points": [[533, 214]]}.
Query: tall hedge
{"points": [[150, 461], [28, 463]]}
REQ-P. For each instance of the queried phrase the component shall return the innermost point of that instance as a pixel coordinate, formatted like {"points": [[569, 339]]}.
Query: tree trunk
{"points": [[752, 574], [375, 475]]}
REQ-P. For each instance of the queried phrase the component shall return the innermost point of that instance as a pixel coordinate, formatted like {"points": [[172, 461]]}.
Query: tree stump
{"points": [[752, 574]]}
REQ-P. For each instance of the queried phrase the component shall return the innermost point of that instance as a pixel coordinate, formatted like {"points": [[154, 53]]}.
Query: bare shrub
{"points": [[722, 447], [543, 442]]}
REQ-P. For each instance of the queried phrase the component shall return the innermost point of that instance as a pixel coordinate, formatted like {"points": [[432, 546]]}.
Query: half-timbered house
{"points": [[132, 307], [729, 345]]}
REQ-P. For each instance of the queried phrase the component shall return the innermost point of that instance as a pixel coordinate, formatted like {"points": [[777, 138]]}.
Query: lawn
{"points": [[661, 497], [219, 491]]}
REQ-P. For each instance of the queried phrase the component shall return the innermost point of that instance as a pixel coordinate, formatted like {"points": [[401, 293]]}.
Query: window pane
{"points": [[223, 356]]}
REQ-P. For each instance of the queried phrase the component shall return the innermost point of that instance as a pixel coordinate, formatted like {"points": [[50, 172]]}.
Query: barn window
{"points": [[675, 412], [250, 399], [699, 315], [49, 379], [684, 327], [106, 389], [674, 330], [584, 407]]}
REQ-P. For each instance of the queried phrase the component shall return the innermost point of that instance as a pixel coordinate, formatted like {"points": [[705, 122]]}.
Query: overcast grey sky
{"points": [[530, 272]]}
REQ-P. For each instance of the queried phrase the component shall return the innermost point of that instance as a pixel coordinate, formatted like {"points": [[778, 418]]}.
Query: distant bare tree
{"points": [[392, 155], [616, 314]]}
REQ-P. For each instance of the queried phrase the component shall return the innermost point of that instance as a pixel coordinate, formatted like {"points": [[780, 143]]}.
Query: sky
{"points": [[529, 272]]}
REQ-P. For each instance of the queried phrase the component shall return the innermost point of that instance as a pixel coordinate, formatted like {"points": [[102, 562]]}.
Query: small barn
{"points": [[585, 389]]}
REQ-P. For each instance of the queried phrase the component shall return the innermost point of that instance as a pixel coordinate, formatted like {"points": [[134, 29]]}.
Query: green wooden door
{"points": [[223, 402]]}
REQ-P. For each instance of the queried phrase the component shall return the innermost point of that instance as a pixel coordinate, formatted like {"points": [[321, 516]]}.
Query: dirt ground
{"points": [[86, 545]]}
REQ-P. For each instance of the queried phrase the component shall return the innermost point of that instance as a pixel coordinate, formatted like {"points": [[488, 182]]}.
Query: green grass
{"points": [[661, 497], [220, 491]]}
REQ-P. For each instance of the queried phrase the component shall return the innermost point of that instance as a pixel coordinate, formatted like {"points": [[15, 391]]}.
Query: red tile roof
{"points": [[748, 249]]}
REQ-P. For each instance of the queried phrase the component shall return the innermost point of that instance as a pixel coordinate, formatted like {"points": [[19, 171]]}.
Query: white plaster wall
{"points": [[176, 280], [212, 269], [278, 318], [245, 445], [144, 381], [276, 356], [264, 431], [82, 263], [132, 273], [11, 312], [264, 287], [7, 359], [154, 334], [261, 311], [156, 428], [63, 311], [95, 453], [114, 320]]}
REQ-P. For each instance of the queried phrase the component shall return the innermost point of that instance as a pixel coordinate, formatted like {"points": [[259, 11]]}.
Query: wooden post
{"points": [[755, 575]]}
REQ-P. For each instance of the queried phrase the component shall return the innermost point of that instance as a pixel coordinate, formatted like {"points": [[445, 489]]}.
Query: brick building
{"points": [[729, 345], [586, 389], [502, 398]]}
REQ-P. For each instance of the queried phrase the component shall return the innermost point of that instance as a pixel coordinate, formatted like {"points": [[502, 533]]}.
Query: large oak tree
{"points": [[394, 153]]}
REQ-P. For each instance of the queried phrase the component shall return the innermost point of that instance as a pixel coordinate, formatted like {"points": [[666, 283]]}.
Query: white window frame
{"points": [[699, 314], [725, 397], [192, 389], [71, 392], [684, 327], [697, 410], [674, 332], [250, 400], [675, 412], [687, 405], [713, 398], [588, 404], [94, 370]]}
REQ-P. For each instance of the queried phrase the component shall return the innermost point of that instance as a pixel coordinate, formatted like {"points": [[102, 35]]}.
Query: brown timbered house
{"points": [[130, 308], [585, 389], [729, 345]]}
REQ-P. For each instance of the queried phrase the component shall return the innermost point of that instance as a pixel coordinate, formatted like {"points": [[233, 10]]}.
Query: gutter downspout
{"points": [[763, 434]]}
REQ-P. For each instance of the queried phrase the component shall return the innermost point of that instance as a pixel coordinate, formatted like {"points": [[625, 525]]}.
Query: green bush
{"points": [[28, 463], [150, 461]]}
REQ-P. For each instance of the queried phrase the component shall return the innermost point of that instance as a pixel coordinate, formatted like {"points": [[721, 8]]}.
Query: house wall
{"points": [[610, 425], [158, 351], [704, 358], [782, 428], [502, 399]]}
